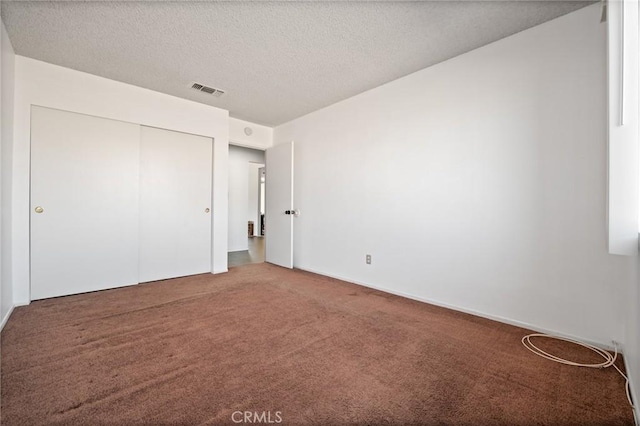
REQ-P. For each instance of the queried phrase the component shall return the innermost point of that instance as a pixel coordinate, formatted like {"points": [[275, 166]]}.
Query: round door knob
{"points": [[207, 210], [39, 209]]}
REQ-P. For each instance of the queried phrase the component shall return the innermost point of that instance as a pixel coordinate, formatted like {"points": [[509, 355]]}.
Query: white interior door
{"points": [[84, 203], [279, 205], [175, 204]]}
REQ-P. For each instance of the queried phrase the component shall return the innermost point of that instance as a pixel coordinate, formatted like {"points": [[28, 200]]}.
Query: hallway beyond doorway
{"points": [[255, 254]]}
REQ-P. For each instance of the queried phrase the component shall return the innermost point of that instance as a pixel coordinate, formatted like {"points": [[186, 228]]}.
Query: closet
{"points": [[115, 203]]}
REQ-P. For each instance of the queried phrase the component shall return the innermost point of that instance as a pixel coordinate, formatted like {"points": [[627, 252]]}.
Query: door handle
{"points": [[38, 209]]}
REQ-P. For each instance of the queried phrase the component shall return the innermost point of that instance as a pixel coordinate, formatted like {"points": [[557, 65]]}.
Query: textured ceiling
{"points": [[276, 61]]}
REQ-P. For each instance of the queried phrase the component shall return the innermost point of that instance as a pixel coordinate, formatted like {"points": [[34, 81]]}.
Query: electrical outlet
{"points": [[368, 259]]}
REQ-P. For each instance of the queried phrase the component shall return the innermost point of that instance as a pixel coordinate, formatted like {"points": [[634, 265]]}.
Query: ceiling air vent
{"points": [[206, 89]]}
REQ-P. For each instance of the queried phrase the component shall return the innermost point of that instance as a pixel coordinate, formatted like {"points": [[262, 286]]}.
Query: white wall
{"points": [[261, 138], [478, 183], [39, 83], [7, 60], [239, 159]]}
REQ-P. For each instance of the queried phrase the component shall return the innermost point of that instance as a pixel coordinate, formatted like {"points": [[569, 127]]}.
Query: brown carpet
{"points": [[265, 339]]}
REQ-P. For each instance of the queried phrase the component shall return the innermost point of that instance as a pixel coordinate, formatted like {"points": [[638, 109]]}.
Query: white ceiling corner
{"points": [[275, 60]]}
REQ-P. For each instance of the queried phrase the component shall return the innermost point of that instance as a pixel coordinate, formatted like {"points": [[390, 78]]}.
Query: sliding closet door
{"points": [[84, 203], [175, 204]]}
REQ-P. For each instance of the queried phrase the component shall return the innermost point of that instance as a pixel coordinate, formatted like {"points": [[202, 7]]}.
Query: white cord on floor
{"points": [[609, 360]]}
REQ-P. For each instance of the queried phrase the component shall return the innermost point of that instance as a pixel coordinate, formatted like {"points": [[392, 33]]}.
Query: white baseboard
{"points": [[6, 317], [220, 271], [533, 327]]}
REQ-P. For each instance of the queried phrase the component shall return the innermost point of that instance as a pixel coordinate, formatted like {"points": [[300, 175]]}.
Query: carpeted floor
{"points": [[265, 339]]}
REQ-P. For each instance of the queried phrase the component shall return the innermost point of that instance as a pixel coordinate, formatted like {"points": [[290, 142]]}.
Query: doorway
{"points": [[246, 206], [262, 176]]}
